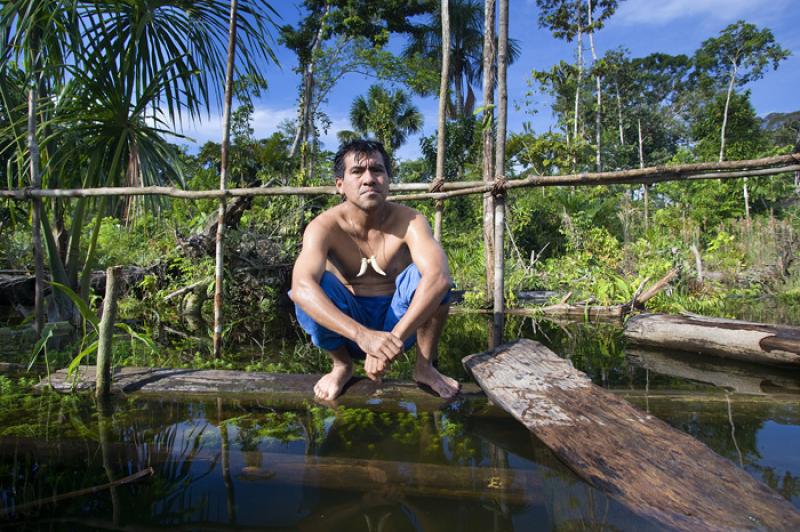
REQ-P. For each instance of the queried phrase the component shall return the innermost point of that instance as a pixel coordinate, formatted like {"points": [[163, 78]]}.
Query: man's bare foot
{"points": [[331, 384], [443, 385]]}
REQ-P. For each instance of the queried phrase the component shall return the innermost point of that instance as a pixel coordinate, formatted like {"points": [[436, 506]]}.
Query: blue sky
{"points": [[642, 26]]}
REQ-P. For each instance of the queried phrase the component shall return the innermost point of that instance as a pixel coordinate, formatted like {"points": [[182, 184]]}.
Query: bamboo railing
{"points": [[409, 191], [415, 191]]}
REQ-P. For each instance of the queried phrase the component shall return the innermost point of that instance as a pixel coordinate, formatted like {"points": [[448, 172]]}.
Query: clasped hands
{"points": [[381, 349]]}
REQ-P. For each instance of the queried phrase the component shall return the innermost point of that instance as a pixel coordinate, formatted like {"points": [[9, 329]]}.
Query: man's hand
{"points": [[381, 348]]}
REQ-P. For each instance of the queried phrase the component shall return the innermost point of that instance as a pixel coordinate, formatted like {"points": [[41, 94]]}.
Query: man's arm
{"points": [[431, 261], [307, 292]]}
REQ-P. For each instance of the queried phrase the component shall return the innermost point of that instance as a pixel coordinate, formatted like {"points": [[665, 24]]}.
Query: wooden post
{"points": [[106, 334], [500, 169], [488, 142], [226, 133], [440, 145]]}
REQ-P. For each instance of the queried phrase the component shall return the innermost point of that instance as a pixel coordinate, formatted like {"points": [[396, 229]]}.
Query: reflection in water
{"points": [[731, 375], [223, 464], [218, 464]]}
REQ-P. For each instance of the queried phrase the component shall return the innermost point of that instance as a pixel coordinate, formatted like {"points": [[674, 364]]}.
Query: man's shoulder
{"points": [[404, 212], [323, 226], [325, 220]]}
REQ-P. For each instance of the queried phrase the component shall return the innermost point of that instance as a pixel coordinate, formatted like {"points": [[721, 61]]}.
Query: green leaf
{"points": [[81, 305], [47, 333], [80, 356], [146, 340]]}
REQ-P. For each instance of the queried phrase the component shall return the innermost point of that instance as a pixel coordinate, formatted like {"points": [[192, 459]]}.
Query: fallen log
{"points": [[399, 479], [291, 390], [14, 340], [658, 472], [733, 375], [751, 342], [273, 388]]}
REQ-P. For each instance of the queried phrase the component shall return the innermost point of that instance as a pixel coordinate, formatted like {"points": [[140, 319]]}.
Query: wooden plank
{"points": [[752, 342], [658, 472], [733, 375]]}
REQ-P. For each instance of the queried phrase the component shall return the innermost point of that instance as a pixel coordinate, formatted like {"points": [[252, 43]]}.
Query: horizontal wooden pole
{"points": [[655, 174]]}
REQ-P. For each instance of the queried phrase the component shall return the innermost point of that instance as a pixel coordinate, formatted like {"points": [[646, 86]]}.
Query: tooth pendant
{"points": [[372, 261]]}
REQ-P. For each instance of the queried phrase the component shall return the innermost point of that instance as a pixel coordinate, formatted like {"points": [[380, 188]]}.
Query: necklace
{"points": [[373, 259]]}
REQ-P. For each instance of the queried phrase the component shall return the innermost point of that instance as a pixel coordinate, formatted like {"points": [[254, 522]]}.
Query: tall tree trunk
{"points": [[488, 140], [304, 114], [580, 74], [599, 112], [133, 177], [458, 93], [301, 119], [223, 175], [725, 114], [500, 167], [36, 182], [645, 191], [440, 140], [745, 192], [619, 115]]}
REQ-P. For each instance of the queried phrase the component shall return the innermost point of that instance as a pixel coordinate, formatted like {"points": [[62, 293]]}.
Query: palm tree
{"points": [[389, 116], [466, 50], [137, 69]]}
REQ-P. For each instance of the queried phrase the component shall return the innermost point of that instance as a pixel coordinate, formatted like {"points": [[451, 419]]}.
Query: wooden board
{"points": [[658, 472], [742, 340]]}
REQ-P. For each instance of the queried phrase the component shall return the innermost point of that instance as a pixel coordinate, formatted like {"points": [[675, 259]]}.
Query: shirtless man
{"points": [[371, 280]]}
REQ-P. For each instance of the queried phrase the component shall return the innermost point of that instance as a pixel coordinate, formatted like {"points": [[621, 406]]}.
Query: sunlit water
{"points": [[225, 464]]}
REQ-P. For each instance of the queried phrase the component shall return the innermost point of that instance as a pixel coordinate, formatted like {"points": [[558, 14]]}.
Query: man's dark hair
{"points": [[361, 147]]}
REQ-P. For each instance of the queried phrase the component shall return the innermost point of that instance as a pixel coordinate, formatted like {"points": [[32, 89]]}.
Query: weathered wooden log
{"points": [[275, 388], [14, 340], [760, 343], [733, 375], [399, 478], [565, 309], [17, 288], [658, 472]]}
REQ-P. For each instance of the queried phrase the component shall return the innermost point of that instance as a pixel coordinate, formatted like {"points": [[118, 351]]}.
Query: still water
{"points": [[228, 464]]}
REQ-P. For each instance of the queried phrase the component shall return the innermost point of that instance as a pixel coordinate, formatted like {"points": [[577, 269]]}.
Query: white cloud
{"points": [[265, 122], [656, 12]]}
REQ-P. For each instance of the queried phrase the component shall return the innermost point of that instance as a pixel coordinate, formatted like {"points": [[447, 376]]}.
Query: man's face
{"points": [[365, 182]]}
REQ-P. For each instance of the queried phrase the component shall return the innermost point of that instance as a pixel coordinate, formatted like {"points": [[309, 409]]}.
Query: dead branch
{"points": [[656, 288]]}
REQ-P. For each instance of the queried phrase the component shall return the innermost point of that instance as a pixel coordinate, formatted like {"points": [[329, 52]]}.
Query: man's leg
{"points": [[331, 384], [427, 348]]}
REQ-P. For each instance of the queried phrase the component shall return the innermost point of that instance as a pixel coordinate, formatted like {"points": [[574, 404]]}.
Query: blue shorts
{"points": [[379, 313]]}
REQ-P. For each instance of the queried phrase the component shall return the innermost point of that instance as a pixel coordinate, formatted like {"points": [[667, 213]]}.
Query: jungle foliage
{"points": [[601, 244]]}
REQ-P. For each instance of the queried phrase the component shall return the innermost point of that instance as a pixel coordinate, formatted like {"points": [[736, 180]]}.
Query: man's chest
{"points": [[389, 253]]}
